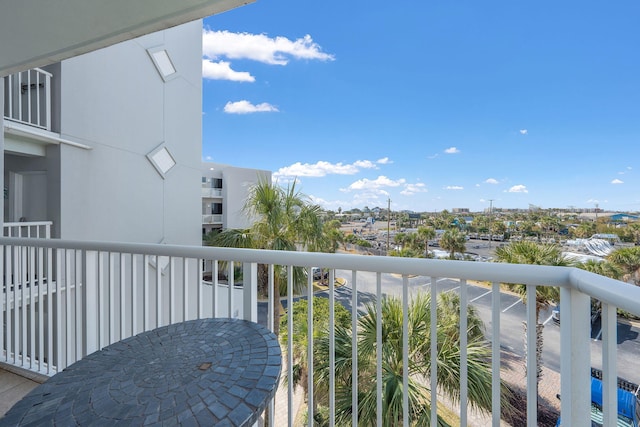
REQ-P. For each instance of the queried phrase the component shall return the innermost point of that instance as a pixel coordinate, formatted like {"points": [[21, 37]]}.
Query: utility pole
{"points": [[490, 221], [596, 218], [388, 222]]}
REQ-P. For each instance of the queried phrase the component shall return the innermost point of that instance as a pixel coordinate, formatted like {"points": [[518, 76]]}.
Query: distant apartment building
{"points": [[224, 192], [460, 210], [107, 145]]}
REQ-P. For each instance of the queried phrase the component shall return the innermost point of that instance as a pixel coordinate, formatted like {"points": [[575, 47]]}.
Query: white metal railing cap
{"points": [[607, 290], [620, 294]]}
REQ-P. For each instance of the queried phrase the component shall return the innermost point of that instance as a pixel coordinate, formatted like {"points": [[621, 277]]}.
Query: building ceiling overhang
{"points": [[36, 33]]}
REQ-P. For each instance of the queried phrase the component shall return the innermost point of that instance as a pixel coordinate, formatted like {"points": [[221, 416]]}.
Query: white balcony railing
{"points": [[27, 98], [211, 192], [212, 219], [64, 299], [35, 229]]}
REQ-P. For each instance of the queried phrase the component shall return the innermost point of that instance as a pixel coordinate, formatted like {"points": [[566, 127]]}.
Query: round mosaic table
{"points": [[204, 372]]}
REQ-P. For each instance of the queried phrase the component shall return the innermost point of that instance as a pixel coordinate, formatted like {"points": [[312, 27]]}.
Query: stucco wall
{"points": [[115, 101]]}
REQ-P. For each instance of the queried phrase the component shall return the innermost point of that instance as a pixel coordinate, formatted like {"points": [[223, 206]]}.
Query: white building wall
{"points": [[115, 101], [236, 183]]}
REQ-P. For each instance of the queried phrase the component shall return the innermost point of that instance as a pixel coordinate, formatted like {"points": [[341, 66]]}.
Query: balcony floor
{"points": [[14, 386]]}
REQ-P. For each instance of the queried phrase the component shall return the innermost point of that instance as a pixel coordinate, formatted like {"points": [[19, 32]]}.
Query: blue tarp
{"points": [[626, 400]]}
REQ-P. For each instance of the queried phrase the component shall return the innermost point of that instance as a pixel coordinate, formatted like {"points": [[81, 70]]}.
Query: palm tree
{"points": [[585, 229], [426, 234], [603, 268], [453, 241], [634, 231], [299, 342], [419, 369], [550, 224], [400, 239], [526, 252], [333, 237], [405, 252], [284, 220], [628, 259]]}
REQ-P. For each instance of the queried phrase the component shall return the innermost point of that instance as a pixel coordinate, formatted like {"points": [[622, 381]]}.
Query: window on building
{"points": [[216, 208], [217, 183]]}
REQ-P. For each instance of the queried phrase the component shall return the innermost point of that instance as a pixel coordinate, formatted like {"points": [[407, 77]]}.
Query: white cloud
{"points": [[365, 164], [322, 168], [384, 161], [453, 187], [452, 150], [523, 131], [330, 204], [411, 189], [359, 200], [433, 156], [221, 70], [617, 181], [245, 107], [518, 189], [491, 181], [260, 47], [374, 185], [628, 168]]}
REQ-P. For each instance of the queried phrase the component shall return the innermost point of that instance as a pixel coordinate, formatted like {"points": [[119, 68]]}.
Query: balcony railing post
{"points": [[23, 100], [4, 296], [47, 102], [250, 291], [90, 310], [575, 357], [609, 320]]}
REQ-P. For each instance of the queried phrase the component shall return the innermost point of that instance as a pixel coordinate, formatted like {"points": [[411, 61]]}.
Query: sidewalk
{"points": [[512, 372], [281, 415]]}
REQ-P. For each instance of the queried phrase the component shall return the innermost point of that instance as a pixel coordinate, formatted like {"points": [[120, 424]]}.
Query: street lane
{"points": [[512, 316]]}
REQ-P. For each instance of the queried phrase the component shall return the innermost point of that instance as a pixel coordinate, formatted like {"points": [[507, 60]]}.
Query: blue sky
{"points": [[434, 105]]}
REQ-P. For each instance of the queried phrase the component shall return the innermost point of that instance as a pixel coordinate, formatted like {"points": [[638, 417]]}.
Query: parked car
{"points": [[555, 314], [595, 313], [319, 273]]}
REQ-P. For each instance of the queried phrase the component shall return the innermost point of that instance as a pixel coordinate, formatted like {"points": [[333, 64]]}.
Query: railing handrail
{"points": [[607, 290], [40, 70], [27, 224]]}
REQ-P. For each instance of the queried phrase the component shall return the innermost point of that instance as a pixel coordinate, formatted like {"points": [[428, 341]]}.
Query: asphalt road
{"points": [[512, 315]]}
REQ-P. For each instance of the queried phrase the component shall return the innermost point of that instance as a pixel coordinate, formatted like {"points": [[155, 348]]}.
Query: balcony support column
{"points": [[6, 295], [2, 150], [575, 357], [250, 291]]}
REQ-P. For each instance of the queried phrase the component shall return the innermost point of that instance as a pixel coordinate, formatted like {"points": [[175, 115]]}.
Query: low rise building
{"points": [[225, 189]]}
